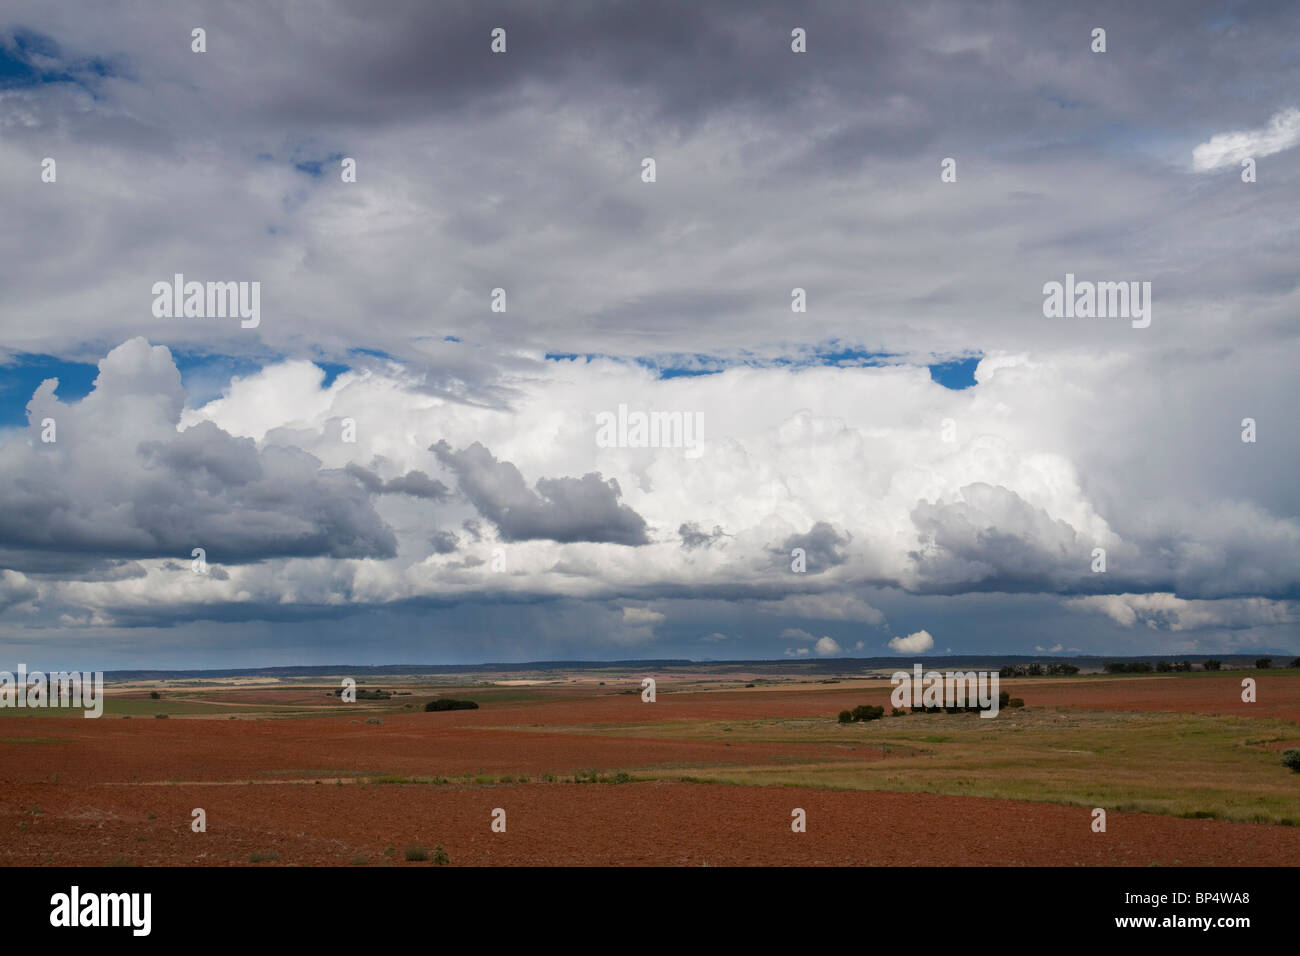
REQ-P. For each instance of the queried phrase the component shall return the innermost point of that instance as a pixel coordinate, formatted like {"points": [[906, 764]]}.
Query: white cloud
{"points": [[917, 643], [1164, 611], [826, 646], [1229, 149], [641, 617]]}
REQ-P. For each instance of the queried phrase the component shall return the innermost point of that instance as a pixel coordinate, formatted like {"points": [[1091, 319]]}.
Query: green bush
{"points": [[846, 716], [440, 857], [1016, 702], [416, 853], [154, 695], [867, 712], [1263, 663], [161, 716], [1129, 667], [1291, 758], [1212, 665], [447, 703]]}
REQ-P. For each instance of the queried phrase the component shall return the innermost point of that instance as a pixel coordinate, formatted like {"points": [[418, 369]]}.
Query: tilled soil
{"points": [[649, 824], [76, 791]]}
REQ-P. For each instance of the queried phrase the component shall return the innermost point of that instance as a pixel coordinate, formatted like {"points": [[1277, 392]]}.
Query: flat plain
{"points": [[708, 774]]}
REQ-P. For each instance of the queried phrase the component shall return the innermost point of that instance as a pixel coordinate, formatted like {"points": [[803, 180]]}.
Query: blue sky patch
{"points": [[955, 375]]}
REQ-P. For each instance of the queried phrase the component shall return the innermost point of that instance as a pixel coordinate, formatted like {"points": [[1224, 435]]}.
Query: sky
{"points": [[838, 278]]}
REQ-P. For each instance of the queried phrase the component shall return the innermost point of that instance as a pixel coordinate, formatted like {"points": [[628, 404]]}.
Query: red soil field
{"points": [[76, 791], [651, 823]]}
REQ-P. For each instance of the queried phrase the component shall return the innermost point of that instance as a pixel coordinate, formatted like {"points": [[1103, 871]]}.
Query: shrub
{"points": [[1035, 670], [373, 720], [1016, 702], [161, 716], [364, 693], [867, 712], [416, 853], [1212, 665], [263, 858], [1291, 758], [447, 703], [898, 712], [1264, 663], [846, 716], [440, 857], [1164, 667], [1129, 667], [154, 695]]}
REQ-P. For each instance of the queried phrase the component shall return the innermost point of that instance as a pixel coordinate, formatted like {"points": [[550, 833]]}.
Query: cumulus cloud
{"points": [[641, 617], [1229, 149], [119, 480], [916, 643], [880, 501], [1163, 611], [15, 589], [826, 646], [821, 646], [560, 509]]}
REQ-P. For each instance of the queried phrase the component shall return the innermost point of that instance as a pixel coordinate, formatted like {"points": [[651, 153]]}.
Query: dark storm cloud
{"points": [[818, 169], [561, 509], [414, 483], [692, 537], [444, 542], [775, 170], [821, 547]]}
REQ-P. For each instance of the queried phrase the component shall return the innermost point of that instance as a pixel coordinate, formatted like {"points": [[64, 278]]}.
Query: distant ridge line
{"points": [[817, 666]]}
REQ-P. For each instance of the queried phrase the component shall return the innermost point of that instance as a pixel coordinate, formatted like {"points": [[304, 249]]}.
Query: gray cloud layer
{"points": [[775, 170]]}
